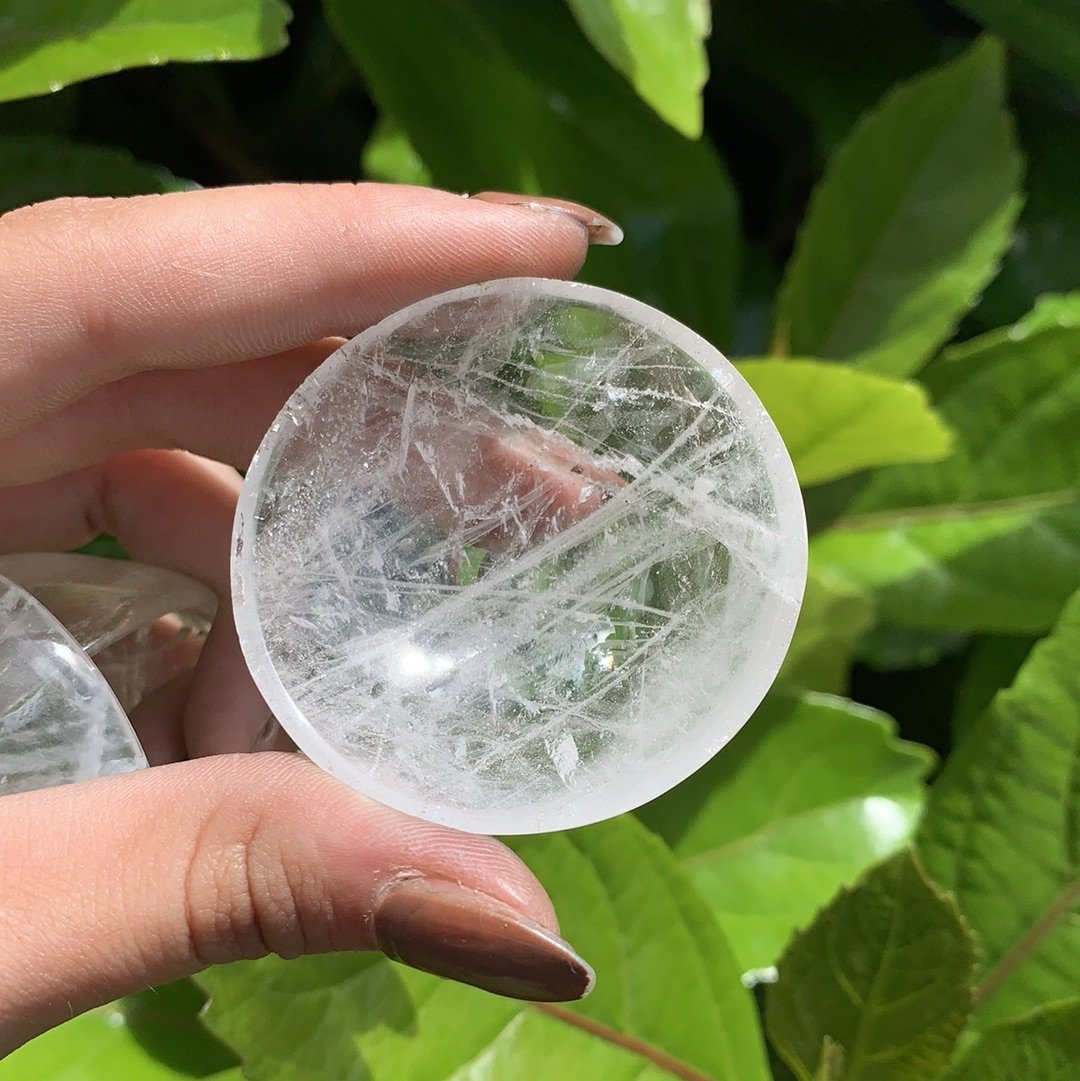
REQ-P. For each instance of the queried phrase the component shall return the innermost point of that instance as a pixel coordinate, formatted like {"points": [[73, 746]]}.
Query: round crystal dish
{"points": [[521, 557]]}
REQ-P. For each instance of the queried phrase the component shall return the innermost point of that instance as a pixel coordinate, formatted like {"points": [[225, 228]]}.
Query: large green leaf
{"points": [[988, 540], [1047, 30], [805, 798], [154, 1036], [1042, 1046], [831, 622], [668, 1001], [1002, 831], [659, 47], [884, 973], [512, 96], [837, 421], [35, 168], [45, 44], [909, 222]]}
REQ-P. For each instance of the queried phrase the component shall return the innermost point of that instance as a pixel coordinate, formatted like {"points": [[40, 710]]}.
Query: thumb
{"points": [[144, 878]]}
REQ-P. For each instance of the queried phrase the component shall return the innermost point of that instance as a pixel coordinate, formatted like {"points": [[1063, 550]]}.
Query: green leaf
{"points": [[38, 167], [884, 973], [1042, 1046], [909, 222], [46, 45], [1001, 831], [659, 47], [988, 540], [668, 1001], [831, 623], [836, 421], [534, 108], [154, 1036], [813, 791], [1047, 30], [391, 158]]}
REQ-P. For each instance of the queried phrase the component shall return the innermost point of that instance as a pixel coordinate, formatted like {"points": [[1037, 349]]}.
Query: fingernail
{"points": [[447, 929], [601, 230]]}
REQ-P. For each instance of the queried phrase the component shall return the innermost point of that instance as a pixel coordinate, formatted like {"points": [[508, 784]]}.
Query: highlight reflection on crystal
{"points": [[519, 558]]}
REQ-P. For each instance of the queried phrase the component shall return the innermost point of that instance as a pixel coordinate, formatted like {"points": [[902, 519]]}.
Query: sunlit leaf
{"points": [[802, 801], [883, 973], [1002, 831], [154, 1036], [909, 222], [836, 420], [46, 44], [988, 539], [658, 47]]}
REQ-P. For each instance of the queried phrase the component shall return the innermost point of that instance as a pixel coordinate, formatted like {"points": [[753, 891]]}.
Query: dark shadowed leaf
{"points": [[534, 108], [38, 167], [1047, 30], [792, 46]]}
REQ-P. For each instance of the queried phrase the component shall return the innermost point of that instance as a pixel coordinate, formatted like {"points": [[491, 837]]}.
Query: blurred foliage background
{"points": [[872, 205]]}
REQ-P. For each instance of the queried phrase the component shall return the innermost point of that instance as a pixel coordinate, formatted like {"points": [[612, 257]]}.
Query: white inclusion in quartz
{"points": [[519, 558], [59, 720]]}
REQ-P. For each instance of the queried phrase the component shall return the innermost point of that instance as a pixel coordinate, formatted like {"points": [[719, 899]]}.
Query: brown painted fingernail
{"points": [[450, 930], [601, 230]]}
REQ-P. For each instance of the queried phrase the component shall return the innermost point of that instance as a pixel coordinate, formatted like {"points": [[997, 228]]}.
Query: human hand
{"points": [[132, 328]]}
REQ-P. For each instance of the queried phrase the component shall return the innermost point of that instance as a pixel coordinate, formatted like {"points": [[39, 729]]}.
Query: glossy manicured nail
{"points": [[601, 230], [450, 930]]}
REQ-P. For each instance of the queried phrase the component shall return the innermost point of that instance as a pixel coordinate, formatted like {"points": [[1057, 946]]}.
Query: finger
{"points": [[158, 721], [220, 413], [98, 289], [224, 712], [167, 508], [136, 880]]}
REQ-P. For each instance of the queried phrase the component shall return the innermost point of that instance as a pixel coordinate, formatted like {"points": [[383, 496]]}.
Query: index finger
{"points": [[96, 289]]}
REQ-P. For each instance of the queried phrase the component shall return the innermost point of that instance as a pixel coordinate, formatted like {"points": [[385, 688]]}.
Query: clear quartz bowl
{"points": [[82, 641], [521, 557]]}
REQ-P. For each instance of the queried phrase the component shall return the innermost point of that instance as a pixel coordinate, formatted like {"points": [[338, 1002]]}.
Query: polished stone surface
{"points": [[519, 558]]}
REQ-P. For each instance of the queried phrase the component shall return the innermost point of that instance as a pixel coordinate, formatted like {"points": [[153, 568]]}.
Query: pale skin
{"points": [[145, 346]]}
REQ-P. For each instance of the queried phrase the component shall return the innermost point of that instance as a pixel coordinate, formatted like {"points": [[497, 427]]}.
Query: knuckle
{"points": [[245, 893]]}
